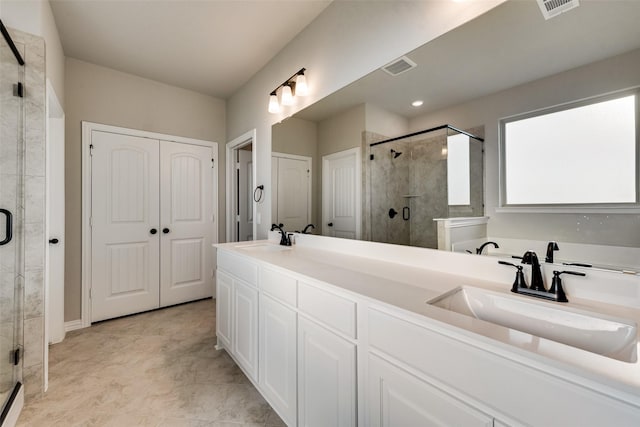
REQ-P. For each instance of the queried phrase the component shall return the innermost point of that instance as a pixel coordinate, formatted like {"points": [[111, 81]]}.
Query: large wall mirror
{"points": [[507, 62]]}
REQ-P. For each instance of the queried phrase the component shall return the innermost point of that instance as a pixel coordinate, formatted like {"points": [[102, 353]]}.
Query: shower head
{"points": [[395, 154]]}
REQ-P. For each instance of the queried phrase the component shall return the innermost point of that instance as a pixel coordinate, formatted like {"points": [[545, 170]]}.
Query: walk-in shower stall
{"points": [[416, 178], [12, 154]]}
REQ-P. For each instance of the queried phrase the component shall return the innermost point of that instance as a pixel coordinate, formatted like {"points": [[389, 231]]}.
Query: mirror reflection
{"points": [[507, 62]]}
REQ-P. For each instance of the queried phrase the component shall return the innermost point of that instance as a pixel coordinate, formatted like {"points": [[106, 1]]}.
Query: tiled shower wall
{"points": [[34, 210], [416, 179]]}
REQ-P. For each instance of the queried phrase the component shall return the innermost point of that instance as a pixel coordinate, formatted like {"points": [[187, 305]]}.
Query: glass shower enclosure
{"points": [[12, 149], [416, 178]]}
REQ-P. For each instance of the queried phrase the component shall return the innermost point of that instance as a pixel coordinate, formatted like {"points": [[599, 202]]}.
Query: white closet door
{"points": [[186, 212], [124, 205], [341, 194], [293, 198]]}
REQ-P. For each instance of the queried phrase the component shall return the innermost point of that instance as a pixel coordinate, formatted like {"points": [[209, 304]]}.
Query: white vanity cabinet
{"points": [[326, 377], [278, 364], [245, 327], [237, 310], [224, 294], [397, 398], [326, 358]]}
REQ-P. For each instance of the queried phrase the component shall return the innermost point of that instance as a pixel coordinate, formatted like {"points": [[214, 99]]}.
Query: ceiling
{"points": [[510, 45], [209, 46]]}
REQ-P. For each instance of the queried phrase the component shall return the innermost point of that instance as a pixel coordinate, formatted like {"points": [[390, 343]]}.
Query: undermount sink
{"points": [[601, 334], [264, 247]]}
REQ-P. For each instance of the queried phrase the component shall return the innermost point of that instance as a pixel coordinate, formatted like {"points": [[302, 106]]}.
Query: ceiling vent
{"points": [[399, 66], [551, 8]]}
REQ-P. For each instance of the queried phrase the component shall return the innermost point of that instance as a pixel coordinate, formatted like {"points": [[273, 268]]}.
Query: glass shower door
{"points": [[11, 212], [408, 185]]}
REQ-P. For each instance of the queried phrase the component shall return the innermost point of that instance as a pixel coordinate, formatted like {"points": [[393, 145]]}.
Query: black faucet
{"points": [[284, 239], [537, 284], [551, 247], [306, 229], [481, 248], [555, 292]]}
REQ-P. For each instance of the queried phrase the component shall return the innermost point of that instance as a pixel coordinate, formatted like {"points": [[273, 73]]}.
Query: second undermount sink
{"points": [[594, 332], [264, 247]]}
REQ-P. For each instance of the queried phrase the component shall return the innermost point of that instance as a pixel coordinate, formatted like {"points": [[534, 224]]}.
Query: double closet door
{"points": [[152, 223]]}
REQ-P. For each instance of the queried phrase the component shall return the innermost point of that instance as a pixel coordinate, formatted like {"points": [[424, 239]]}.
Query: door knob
{"points": [[153, 231], [330, 224], [54, 241], [165, 230]]}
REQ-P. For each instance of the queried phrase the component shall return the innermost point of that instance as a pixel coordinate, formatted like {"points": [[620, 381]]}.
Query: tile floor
{"points": [[153, 369]]}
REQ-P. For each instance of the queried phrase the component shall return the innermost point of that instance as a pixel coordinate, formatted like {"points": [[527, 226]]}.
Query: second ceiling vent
{"points": [[399, 66]]}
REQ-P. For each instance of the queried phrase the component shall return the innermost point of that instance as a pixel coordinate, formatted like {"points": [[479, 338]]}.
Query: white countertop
{"points": [[408, 287]]}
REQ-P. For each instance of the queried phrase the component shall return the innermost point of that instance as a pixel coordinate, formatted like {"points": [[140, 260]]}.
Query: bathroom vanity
{"points": [[391, 337]]}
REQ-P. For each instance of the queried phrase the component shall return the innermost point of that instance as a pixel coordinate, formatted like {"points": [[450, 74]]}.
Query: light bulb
{"points": [[287, 96], [301, 85], [274, 107]]}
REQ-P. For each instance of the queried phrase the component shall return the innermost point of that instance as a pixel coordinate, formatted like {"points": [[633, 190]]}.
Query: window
{"points": [[458, 170], [578, 154]]}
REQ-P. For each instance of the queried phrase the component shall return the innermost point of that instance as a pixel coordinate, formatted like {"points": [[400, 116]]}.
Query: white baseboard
{"points": [[73, 325]]}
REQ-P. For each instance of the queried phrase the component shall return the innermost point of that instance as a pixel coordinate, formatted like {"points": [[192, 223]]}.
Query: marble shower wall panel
{"points": [[33, 210], [429, 184], [476, 154]]}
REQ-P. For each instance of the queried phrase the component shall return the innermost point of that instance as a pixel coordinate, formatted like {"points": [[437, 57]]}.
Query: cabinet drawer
{"points": [[239, 267], [279, 286], [333, 310]]}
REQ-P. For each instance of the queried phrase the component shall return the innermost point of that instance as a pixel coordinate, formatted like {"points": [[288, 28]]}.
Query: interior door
{"points": [[341, 194], [125, 225], [244, 198], [186, 212], [293, 179]]}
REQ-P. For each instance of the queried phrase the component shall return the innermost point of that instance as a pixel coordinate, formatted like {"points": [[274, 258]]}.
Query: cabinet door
{"points": [[278, 357], [245, 327], [396, 398], [326, 377], [223, 309]]}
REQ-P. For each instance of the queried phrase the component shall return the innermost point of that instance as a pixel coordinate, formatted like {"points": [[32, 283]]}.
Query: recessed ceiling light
{"points": [[417, 103]]}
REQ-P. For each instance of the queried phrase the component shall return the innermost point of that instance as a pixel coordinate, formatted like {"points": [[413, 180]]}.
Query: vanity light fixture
{"points": [[287, 95], [274, 107], [417, 103], [295, 85]]}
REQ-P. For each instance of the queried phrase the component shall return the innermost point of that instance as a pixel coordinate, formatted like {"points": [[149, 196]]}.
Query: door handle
{"points": [[153, 231], [330, 224], [53, 241], [165, 230], [406, 213], [8, 227]]}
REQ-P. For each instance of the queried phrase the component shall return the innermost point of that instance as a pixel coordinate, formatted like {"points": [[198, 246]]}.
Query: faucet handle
{"points": [[556, 284], [519, 282]]}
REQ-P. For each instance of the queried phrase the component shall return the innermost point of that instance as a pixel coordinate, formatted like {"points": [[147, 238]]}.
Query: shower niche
{"points": [[417, 178]]}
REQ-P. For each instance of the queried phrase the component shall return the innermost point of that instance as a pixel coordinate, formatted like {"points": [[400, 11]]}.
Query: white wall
{"points": [[347, 41], [35, 17], [107, 96], [383, 122], [601, 77]]}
